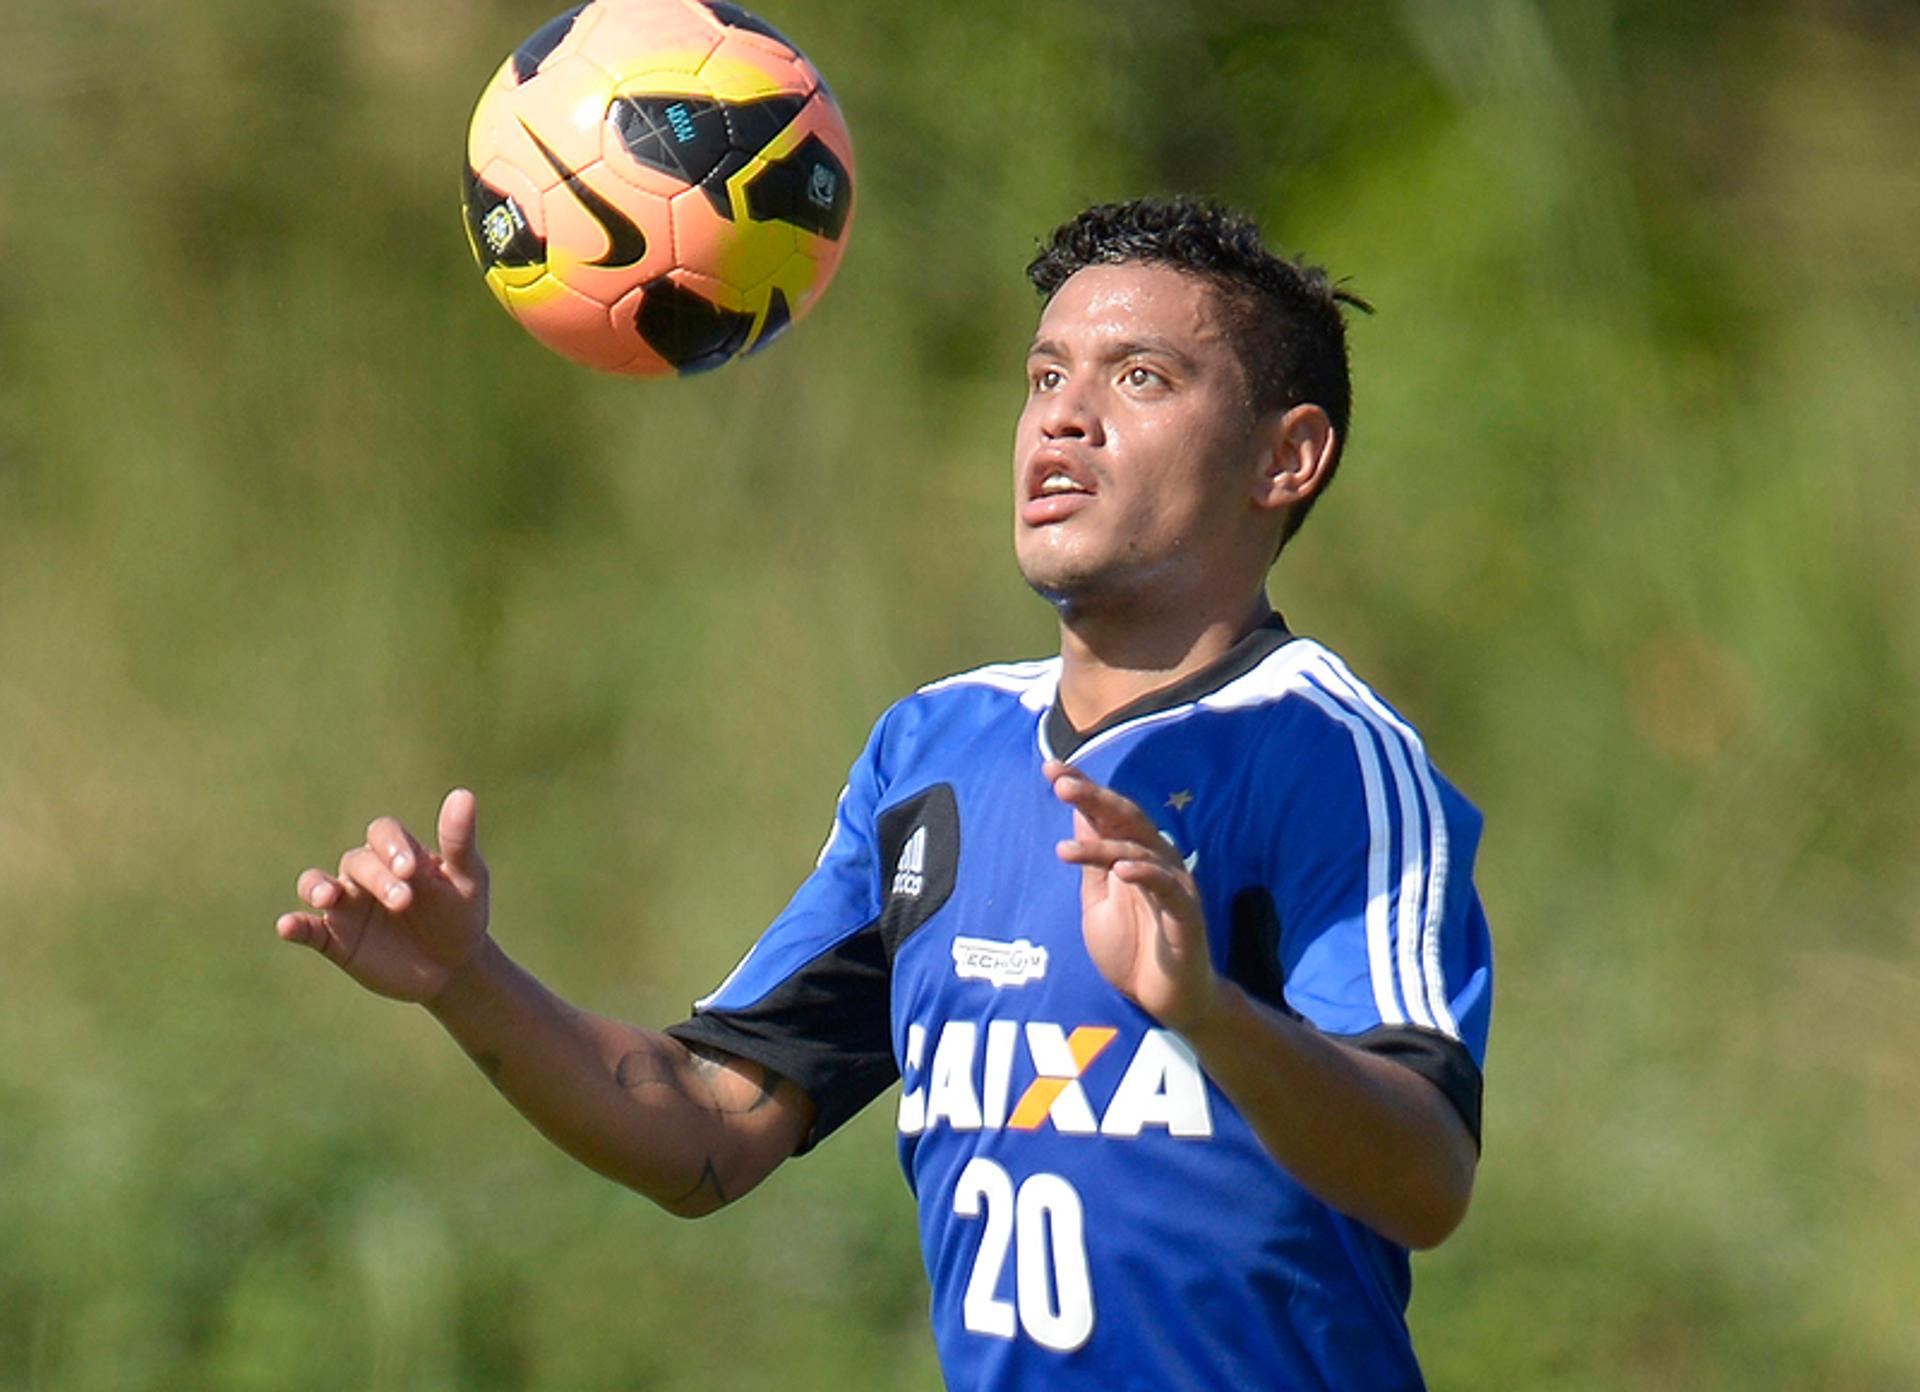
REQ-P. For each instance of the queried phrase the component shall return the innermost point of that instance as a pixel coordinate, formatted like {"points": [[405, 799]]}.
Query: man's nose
{"points": [[1070, 414]]}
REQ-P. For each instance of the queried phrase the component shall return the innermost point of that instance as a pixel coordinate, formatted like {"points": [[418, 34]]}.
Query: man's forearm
{"points": [[689, 1131], [1364, 1134]]}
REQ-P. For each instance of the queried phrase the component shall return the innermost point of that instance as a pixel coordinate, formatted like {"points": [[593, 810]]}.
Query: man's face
{"points": [[1136, 454]]}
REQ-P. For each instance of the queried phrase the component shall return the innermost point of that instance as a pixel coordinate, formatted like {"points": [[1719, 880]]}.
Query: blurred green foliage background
{"points": [[296, 528]]}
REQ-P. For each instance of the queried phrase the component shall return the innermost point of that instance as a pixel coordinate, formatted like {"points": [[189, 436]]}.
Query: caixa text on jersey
{"points": [[968, 1084]]}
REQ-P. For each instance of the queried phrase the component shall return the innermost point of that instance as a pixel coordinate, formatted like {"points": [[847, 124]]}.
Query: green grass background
{"points": [[297, 528]]}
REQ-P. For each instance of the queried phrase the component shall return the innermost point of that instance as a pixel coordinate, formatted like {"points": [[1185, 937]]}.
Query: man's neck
{"points": [[1107, 662]]}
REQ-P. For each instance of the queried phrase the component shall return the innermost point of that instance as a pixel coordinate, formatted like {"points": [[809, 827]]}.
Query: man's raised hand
{"points": [[1139, 908], [396, 917]]}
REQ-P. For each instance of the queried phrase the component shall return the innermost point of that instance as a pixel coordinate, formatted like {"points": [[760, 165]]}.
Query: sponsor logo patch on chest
{"points": [[968, 1083], [1001, 963]]}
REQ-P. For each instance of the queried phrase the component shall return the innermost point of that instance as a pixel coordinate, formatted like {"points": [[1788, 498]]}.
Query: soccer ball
{"points": [[657, 186]]}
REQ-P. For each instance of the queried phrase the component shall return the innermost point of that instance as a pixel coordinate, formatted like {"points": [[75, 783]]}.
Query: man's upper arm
{"points": [[1380, 936], [767, 1113]]}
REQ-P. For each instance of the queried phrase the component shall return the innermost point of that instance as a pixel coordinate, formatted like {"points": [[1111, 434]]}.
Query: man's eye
{"points": [[1046, 379], [1143, 377]]}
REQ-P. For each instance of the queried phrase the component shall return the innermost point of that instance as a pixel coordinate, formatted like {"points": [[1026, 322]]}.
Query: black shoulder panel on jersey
{"points": [[920, 850], [1439, 1058], [1253, 949], [826, 1028], [1253, 964]]}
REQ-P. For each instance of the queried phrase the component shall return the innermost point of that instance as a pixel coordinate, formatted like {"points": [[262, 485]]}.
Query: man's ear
{"points": [[1300, 445]]}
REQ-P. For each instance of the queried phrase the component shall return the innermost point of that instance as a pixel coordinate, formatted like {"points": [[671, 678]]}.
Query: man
{"points": [[1189, 1062]]}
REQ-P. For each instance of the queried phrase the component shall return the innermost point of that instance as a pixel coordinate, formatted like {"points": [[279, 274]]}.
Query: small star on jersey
{"points": [[1178, 801]]}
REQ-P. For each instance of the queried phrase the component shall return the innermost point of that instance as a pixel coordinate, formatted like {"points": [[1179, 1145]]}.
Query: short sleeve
{"points": [[810, 1000], [1381, 936]]}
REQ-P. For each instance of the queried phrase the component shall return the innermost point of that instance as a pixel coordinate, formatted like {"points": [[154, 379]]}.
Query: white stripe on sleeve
{"points": [[1427, 953], [1379, 934], [1413, 860]]}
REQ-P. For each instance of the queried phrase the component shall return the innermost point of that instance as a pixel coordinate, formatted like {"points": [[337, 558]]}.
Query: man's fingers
{"points": [[458, 829], [1108, 852], [394, 844], [303, 929], [315, 931], [365, 868], [319, 889], [1157, 878], [1110, 813], [1165, 885]]}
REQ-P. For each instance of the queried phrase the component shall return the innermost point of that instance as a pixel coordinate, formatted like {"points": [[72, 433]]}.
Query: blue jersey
{"points": [[1094, 1212]]}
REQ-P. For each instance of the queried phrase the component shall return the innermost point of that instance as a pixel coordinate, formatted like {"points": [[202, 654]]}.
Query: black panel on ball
{"points": [[753, 125], [779, 318], [497, 229], [687, 329], [681, 136], [736, 18], [704, 143], [714, 186], [809, 188], [530, 55]]}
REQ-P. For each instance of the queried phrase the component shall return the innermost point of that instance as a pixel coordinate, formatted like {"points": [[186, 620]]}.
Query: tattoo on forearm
{"points": [[644, 1068], [706, 1079], [769, 1084], [709, 1182], [718, 1070]]}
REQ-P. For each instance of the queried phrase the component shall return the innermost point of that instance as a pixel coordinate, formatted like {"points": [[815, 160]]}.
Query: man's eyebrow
{"points": [[1147, 346]]}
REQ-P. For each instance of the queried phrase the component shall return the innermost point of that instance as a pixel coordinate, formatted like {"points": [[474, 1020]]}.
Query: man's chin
{"points": [[1066, 588], [1046, 577]]}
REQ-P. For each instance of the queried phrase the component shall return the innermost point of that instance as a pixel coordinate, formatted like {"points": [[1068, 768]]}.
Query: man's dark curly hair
{"points": [[1282, 317]]}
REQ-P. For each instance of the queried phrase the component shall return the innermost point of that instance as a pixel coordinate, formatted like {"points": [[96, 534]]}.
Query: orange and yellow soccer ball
{"points": [[657, 186]]}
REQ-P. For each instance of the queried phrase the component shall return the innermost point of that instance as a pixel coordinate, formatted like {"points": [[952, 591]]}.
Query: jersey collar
{"points": [[1064, 741]]}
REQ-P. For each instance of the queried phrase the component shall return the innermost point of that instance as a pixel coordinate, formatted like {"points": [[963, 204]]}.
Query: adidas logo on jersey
{"points": [[910, 874], [968, 1084], [1002, 963]]}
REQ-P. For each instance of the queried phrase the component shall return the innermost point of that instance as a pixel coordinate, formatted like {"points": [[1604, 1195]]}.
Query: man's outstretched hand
{"points": [[1139, 908], [398, 918]]}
